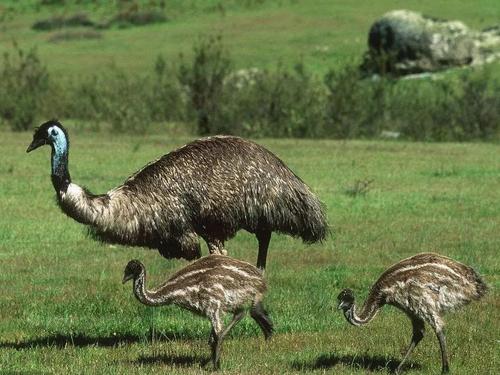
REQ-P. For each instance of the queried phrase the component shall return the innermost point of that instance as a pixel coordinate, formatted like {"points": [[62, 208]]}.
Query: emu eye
{"points": [[53, 132]]}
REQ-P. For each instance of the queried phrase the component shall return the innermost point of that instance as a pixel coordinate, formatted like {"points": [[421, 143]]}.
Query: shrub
{"points": [[132, 15], [24, 83], [166, 98], [478, 109], [121, 102], [58, 22], [345, 103], [204, 78], [272, 103], [450, 110]]}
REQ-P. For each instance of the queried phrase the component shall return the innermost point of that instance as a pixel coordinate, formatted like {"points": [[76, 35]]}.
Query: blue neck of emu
{"points": [[60, 174]]}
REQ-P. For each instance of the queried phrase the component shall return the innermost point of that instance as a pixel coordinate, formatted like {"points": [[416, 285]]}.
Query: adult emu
{"points": [[211, 188], [424, 286]]}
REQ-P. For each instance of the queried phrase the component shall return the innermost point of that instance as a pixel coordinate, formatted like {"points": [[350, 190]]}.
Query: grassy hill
{"points": [[258, 33]]}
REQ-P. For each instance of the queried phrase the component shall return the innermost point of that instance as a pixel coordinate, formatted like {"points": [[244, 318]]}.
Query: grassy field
{"points": [[63, 308], [321, 33]]}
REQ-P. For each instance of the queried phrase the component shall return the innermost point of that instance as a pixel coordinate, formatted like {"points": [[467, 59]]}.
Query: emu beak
{"points": [[126, 278], [35, 144], [340, 306]]}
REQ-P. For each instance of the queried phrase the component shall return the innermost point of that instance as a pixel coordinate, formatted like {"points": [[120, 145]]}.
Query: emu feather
{"points": [[211, 188]]}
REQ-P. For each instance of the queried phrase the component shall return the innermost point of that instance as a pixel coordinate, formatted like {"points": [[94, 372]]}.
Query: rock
{"points": [[404, 42]]}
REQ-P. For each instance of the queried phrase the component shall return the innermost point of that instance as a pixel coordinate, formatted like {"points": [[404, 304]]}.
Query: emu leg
{"points": [[418, 334], [211, 338], [260, 316], [215, 340], [218, 336], [263, 237], [238, 315], [444, 356]]}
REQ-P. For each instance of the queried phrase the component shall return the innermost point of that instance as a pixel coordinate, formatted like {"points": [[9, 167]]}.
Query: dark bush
{"points": [[204, 78], [24, 83], [58, 22], [133, 16], [278, 103], [346, 103], [52, 2], [449, 110], [166, 97], [121, 102], [478, 114]]}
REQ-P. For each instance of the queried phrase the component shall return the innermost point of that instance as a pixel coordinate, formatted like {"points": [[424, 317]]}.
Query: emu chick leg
{"points": [[444, 356], [418, 334]]}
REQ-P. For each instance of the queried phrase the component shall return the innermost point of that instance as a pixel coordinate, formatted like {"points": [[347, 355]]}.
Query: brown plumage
{"points": [[211, 188], [424, 286], [212, 287]]}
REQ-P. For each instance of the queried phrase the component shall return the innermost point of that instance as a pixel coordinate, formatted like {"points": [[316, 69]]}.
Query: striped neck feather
{"points": [[143, 295], [367, 313]]}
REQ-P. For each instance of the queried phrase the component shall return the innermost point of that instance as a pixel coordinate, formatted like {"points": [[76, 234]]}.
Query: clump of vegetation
{"points": [[131, 14], [136, 18], [167, 98], [52, 2], [272, 103], [205, 92], [204, 77], [24, 82], [58, 22]]}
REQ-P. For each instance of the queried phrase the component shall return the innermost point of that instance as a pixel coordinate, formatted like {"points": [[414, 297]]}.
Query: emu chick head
{"points": [[345, 299], [132, 271]]}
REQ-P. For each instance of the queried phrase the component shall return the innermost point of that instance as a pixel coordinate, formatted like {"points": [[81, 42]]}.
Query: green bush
{"points": [[478, 109], [122, 103], [204, 77], [352, 105], [24, 83], [131, 14], [449, 110], [166, 97], [276, 103], [279, 102]]}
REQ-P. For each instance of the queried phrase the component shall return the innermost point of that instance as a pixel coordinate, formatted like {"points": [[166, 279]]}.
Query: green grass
{"points": [[63, 308], [321, 33]]}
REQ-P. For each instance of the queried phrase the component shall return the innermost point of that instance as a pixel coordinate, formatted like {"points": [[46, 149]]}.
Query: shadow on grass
{"points": [[80, 340], [367, 363], [173, 360]]}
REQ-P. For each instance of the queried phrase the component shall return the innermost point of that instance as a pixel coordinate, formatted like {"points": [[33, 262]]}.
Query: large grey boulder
{"points": [[404, 42]]}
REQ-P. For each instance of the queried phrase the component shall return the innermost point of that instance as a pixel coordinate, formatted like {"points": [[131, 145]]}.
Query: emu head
{"points": [[49, 133], [345, 299], [132, 271]]}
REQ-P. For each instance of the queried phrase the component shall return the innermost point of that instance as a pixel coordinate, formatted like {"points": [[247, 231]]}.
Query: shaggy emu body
{"points": [[212, 287], [424, 287], [211, 188]]}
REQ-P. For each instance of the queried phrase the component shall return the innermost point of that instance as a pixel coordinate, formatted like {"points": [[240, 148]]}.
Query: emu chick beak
{"points": [[126, 278]]}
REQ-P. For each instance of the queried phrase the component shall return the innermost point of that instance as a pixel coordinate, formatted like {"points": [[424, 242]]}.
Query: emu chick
{"points": [[211, 287]]}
